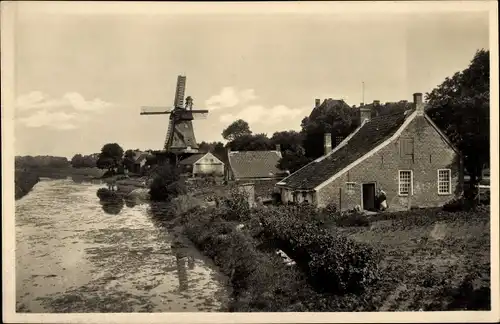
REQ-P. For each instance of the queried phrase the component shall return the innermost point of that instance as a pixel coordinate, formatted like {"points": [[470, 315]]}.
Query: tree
{"points": [[128, 159], [332, 116], [110, 157], [460, 107], [236, 129], [292, 161], [257, 142], [288, 140], [77, 161]]}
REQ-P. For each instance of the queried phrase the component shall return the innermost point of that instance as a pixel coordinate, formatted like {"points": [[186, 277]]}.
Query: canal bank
{"points": [[73, 255]]}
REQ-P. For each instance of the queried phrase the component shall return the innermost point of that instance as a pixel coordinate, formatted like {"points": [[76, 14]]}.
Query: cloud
{"points": [[259, 114], [73, 100], [57, 120], [230, 97]]}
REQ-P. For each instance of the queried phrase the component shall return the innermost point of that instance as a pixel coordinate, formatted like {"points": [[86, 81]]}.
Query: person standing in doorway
{"points": [[382, 198]]}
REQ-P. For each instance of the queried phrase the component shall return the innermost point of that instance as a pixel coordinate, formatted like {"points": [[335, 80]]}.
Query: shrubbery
{"points": [[166, 184], [333, 262]]}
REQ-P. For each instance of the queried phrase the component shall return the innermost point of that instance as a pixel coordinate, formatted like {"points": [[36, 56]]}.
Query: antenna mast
{"points": [[363, 91]]}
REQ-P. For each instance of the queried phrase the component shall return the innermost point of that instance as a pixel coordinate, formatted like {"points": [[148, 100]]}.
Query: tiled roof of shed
{"points": [[370, 135], [254, 164], [192, 158]]}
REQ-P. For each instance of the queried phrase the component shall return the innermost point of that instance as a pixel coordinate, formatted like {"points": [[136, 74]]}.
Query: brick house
{"points": [[404, 153]]}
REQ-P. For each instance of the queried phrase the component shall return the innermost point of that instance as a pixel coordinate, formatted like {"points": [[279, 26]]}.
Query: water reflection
{"points": [[113, 206], [184, 261], [130, 202]]}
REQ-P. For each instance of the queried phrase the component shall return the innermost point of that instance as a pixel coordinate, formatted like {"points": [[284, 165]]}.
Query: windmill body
{"points": [[180, 136]]}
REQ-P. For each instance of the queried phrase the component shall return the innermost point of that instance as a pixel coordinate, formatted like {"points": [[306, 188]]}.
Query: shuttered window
{"points": [[406, 148]]}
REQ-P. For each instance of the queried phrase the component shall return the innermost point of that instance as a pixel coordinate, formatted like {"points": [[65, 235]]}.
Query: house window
{"points": [[444, 181], [350, 187], [406, 148], [405, 182]]}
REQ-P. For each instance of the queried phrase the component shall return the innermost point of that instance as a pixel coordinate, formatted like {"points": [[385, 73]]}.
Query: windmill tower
{"points": [[180, 139]]}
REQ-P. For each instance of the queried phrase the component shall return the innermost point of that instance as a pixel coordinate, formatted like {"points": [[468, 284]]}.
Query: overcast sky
{"points": [[82, 78]]}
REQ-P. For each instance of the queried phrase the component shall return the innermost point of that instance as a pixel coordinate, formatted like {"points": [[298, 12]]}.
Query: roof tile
{"points": [[254, 164], [370, 135]]}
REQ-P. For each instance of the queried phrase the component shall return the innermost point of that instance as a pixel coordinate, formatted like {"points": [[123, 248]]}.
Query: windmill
{"points": [[180, 139]]}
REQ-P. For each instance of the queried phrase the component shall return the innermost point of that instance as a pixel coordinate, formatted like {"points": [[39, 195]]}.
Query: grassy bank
{"points": [[24, 181], [419, 260], [26, 178]]}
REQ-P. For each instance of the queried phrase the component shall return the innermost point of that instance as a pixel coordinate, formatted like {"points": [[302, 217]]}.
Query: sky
{"points": [[81, 78]]}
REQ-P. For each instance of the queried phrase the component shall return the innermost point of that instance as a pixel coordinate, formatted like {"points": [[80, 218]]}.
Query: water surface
{"points": [[75, 254]]}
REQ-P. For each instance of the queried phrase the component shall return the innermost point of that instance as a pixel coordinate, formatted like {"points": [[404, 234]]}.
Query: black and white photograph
{"points": [[250, 162]]}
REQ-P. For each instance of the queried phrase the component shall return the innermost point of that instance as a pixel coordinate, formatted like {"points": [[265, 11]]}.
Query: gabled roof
{"points": [[363, 140], [192, 159], [254, 164], [140, 156]]}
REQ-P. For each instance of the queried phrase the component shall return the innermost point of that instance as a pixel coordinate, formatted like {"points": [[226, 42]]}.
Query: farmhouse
{"points": [[404, 154], [139, 161], [202, 164]]}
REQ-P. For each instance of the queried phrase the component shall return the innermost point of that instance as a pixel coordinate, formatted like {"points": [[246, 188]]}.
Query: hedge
{"points": [[334, 263]]}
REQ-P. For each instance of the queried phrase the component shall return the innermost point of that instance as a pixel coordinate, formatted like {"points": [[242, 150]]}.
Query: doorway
{"points": [[368, 192]]}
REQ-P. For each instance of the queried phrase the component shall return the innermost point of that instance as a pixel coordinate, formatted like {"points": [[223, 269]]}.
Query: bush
{"points": [[235, 207], [459, 204], [352, 219], [333, 263], [166, 184], [260, 281]]}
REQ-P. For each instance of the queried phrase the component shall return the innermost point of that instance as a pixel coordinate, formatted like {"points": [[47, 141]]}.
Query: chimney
{"points": [[365, 113], [278, 147], [361, 104], [328, 143], [317, 103], [376, 102], [419, 105]]}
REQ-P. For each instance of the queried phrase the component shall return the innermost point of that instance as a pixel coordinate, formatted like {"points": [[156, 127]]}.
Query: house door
{"points": [[369, 196]]}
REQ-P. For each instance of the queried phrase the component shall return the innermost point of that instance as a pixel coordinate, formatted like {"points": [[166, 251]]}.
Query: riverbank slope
{"points": [[430, 259]]}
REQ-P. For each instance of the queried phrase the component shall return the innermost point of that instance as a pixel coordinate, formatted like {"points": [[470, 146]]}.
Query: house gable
{"points": [[427, 153], [208, 158]]}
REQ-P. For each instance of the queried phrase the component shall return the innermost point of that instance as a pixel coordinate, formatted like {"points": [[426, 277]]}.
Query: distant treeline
{"points": [[41, 161], [84, 161]]}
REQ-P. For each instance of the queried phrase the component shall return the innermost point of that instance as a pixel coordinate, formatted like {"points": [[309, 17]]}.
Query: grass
{"points": [[24, 181], [427, 254]]}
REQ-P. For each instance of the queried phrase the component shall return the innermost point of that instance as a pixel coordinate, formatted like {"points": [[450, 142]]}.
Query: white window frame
{"points": [[399, 182], [439, 181], [353, 190]]}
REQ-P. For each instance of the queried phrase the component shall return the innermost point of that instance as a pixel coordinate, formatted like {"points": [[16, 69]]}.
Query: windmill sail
{"points": [[179, 92], [169, 134], [155, 110]]}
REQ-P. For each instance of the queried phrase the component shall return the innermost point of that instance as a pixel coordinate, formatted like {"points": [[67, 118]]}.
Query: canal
{"points": [[75, 254]]}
